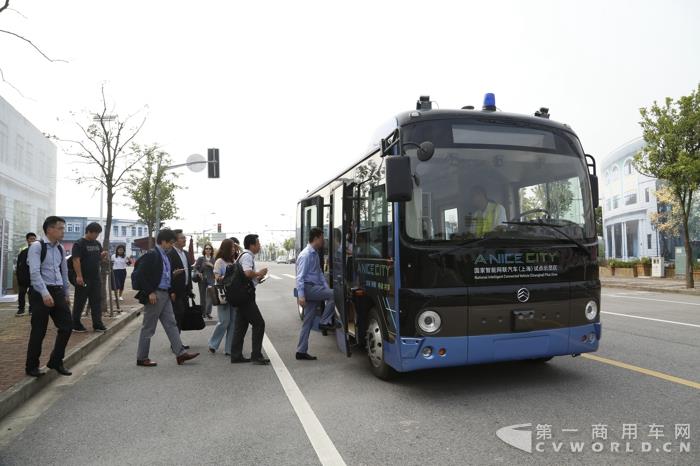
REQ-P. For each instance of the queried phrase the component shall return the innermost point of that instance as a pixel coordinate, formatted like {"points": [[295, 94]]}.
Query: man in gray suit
{"points": [[152, 277]]}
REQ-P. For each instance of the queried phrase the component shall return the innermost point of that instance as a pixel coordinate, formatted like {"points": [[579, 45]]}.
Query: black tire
{"points": [[375, 336], [540, 360]]}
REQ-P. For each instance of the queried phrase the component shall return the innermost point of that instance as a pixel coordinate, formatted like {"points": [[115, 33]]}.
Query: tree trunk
{"points": [[105, 245], [689, 281], [151, 239]]}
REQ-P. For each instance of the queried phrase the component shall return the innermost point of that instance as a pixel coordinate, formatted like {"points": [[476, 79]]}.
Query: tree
{"points": [[142, 188], [555, 197], [105, 148], [671, 153], [669, 219], [288, 244], [5, 6]]}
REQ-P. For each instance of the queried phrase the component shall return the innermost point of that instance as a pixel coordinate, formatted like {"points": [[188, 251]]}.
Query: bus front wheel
{"points": [[375, 338]]}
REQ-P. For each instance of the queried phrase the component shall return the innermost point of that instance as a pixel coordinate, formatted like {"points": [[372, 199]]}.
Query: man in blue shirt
{"points": [[48, 272], [312, 288], [153, 278]]}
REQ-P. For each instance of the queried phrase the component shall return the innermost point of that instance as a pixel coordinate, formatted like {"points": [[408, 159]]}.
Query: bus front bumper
{"points": [[431, 352]]}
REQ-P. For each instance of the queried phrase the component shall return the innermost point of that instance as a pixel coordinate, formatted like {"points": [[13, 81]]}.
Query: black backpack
{"points": [[22, 270], [238, 288]]}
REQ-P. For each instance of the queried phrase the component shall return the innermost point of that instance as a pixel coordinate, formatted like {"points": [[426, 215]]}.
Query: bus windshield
{"points": [[496, 181]]}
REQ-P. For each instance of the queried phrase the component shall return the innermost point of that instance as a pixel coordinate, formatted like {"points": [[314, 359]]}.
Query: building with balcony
{"points": [[628, 200]]}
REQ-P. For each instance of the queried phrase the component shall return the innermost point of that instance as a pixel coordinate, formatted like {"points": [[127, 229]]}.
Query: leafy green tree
{"points": [[143, 184], [555, 197], [671, 153], [288, 244]]}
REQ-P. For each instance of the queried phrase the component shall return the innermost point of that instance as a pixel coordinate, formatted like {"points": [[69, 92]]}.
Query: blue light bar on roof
{"points": [[489, 102]]}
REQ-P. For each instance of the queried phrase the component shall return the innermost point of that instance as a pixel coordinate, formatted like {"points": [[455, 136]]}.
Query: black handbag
{"points": [[192, 318]]}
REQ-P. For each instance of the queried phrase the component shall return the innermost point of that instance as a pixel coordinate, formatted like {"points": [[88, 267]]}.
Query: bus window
{"points": [[310, 221], [560, 199]]}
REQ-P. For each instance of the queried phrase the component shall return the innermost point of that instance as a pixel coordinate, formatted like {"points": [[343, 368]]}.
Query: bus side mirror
{"points": [[399, 181], [594, 190]]}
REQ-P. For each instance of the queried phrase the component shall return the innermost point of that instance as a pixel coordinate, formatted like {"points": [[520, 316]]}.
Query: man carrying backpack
{"points": [[23, 278], [86, 258], [49, 297], [248, 312]]}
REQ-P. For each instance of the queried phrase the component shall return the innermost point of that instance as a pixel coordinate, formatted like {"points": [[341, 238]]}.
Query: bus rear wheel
{"points": [[375, 338]]}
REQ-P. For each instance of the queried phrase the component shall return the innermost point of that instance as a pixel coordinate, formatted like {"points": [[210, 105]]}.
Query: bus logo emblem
{"points": [[523, 295]]}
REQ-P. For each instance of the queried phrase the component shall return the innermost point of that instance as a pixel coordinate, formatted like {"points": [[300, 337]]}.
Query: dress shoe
{"points": [[36, 372], [212, 350], [146, 363], [59, 368], [332, 326], [261, 361], [185, 357], [306, 357], [186, 346], [239, 360]]}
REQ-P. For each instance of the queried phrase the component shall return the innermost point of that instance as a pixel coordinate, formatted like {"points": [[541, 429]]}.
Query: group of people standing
{"points": [[164, 279]]}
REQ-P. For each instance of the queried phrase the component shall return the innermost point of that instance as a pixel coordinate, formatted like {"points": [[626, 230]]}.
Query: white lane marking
{"points": [[274, 276], [293, 277], [651, 299], [322, 443], [650, 318]]}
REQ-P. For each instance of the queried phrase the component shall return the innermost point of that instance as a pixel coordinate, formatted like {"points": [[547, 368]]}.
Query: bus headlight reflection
{"points": [[591, 310], [429, 322]]}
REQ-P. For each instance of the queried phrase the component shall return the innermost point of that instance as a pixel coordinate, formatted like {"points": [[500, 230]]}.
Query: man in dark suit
{"points": [[181, 277], [152, 277]]}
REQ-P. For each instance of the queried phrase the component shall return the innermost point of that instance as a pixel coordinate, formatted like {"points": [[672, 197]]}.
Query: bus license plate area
{"points": [[523, 320]]}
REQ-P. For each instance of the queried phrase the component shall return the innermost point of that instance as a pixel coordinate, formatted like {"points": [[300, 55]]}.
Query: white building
{"points": [[27, 185], [629, 198], [124, 232]]}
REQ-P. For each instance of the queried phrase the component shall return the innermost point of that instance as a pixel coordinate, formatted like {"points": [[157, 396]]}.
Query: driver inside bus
{"points": [[487, 214]]}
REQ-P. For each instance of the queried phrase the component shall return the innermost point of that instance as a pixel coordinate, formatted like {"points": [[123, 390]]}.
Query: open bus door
{"points": [[341, 211], [311, 212]]}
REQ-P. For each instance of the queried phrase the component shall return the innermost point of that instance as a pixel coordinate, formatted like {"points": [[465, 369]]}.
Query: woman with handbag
{"points": [[204, 268], [224, 328]]}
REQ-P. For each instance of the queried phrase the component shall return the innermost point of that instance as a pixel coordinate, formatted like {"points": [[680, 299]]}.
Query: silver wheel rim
{"points": [[374, 343]]}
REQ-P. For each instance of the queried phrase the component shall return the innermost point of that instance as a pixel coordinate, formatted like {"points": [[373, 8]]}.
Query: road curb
{"points": [[19, 393], [652, 289]]}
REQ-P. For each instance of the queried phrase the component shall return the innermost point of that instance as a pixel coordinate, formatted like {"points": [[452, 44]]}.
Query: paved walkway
{"points": [[14, 335], [666, 285]]}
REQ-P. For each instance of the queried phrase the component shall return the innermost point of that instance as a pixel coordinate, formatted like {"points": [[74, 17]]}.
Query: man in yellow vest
{"points": [[487, 214]]}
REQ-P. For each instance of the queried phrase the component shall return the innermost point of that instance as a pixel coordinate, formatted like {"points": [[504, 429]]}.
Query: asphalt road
{"points": [[211, 412]]}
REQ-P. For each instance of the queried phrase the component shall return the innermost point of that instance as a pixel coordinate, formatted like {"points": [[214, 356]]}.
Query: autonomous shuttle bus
{"points": [[462, 237]]}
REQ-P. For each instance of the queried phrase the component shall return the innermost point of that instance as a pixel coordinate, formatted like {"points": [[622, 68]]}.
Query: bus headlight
{"points": [[591, 310], [429, 322]]}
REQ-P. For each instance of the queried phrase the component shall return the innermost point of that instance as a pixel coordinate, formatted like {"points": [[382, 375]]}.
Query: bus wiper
{"points": [[553, 227]]}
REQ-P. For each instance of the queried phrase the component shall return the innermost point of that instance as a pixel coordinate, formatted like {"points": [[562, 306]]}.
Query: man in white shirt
{"points": [[249, 314]]}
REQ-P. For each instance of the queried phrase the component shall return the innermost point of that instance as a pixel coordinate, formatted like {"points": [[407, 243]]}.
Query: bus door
{"points": [[311, 217], [341, 208]]}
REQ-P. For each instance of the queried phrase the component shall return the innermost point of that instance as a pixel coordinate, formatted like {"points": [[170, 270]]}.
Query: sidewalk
{"points": [[662, 285], [15, 386]]}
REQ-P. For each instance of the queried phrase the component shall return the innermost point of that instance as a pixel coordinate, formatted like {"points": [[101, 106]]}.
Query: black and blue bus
{"points": [[462, 237]]}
